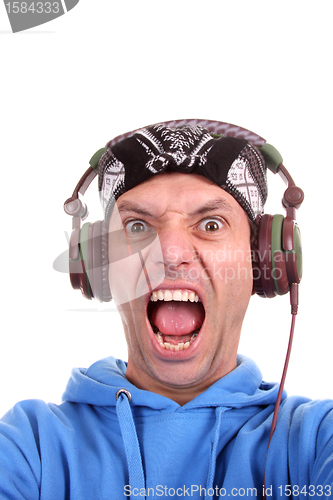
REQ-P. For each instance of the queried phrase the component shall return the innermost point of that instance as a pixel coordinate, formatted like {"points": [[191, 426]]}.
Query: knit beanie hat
{"points": [[233, 163]]}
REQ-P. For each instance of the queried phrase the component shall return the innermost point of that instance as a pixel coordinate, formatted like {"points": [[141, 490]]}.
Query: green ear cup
{"points": [[298, 251], [84, 252], [286, 264], [276, 249]]}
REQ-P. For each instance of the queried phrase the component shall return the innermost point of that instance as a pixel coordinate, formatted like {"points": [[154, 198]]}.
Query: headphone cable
{"points": [[294, 310]]}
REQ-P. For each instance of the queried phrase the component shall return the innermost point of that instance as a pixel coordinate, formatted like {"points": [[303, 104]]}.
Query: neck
{"points": [[179, 394]]}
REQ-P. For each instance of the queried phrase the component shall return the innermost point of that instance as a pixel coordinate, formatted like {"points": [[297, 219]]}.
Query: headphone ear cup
{"points": [[277, 256], [292, 245], [95, 272], [77, 264], [263, 284], [280, 277], [85, 252], [96, 259], [88, 267], [104, 253]]}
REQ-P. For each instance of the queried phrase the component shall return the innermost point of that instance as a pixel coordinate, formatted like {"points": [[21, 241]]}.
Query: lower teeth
{"points": [[175, 347]]}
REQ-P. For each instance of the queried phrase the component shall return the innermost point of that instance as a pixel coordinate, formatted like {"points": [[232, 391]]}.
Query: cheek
{"points": [[127, 279], [121, 274], [241, 280], [229, 265], [134, 270], [133, 323]]}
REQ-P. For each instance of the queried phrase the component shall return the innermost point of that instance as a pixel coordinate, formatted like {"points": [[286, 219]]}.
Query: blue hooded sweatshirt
{"points": [[100, 445]]}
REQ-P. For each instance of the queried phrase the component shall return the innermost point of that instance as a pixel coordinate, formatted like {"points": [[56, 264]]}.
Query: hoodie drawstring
{"points": [[212, 465], [131, 442], [132, 447]]}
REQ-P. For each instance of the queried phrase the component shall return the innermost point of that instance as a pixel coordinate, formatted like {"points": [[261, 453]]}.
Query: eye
{"points": [[136, 227], [211, 225]]}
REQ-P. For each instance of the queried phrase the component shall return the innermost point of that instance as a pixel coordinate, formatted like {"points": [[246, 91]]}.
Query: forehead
{"points": [[185, 193]]}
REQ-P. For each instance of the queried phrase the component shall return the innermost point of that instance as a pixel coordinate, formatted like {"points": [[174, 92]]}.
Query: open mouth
{"points": [[176, 317]]}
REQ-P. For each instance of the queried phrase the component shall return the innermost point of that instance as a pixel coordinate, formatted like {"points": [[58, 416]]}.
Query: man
{"points": [[204, 236], [185, 417], [193, 218]]}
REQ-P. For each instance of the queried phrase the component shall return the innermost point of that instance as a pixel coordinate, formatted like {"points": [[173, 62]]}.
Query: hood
{"points": [[200, 420], [99, 384]]}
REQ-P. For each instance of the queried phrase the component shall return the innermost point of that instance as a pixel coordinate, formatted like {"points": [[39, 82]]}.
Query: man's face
{"points": [[182, 334]]}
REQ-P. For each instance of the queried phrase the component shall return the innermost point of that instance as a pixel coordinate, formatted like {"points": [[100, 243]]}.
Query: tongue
{"points": [[178, 318]]}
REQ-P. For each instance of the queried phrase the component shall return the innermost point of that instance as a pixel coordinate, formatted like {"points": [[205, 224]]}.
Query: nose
{"points": [[173, 255], [176, 245]]}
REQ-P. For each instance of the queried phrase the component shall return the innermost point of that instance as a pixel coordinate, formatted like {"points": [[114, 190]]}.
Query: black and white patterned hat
{"points": [[233, 163]]}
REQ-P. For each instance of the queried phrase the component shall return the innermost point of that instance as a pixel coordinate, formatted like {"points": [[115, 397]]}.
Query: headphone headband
{"points": [[214, 127]]}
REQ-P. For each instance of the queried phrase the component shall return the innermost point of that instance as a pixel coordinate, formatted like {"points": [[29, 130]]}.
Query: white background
{"points": [[69, 86]]}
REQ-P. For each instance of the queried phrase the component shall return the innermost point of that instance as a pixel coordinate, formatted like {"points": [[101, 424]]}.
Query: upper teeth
{"points": [[180, 295]]}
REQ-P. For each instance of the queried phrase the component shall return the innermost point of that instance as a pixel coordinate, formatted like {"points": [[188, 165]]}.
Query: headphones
{"points": [[276, 251]]}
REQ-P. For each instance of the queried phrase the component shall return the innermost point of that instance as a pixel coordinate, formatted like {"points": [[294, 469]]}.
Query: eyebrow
{"points": [[131, 206], [210, 206]]}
